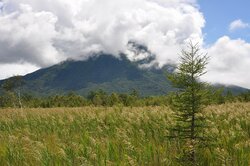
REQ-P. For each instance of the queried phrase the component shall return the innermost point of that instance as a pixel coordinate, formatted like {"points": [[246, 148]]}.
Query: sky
{"points": [[35, 34], [220, 14]]}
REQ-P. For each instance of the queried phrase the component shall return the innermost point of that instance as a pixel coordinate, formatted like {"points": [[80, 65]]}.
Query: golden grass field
{"points": [[118, 136]]}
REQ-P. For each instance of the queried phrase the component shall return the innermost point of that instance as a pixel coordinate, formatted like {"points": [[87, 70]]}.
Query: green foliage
{"points": [[96, 98], [188, 102], [9, 99], [12, 92], [244, 97], [12, 83]]}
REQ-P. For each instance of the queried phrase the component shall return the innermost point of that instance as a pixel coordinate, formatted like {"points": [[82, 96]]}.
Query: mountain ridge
{"points": [[104, 72]]}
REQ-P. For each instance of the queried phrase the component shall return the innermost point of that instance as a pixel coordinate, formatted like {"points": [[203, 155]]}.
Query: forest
{"points": [[101, 98]]}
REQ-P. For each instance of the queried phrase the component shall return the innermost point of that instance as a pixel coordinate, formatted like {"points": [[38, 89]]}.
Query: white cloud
{"points": [[229, 63], [238, 24], [37, 33], [27, 36], [9, 70], [47, 32]]}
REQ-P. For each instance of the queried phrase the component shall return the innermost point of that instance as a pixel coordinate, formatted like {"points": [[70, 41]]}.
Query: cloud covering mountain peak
{"points": [[37, 34], [47, 32]]}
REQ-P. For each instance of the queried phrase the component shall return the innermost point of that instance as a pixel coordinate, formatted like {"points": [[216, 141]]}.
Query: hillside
{"points": [[102, 72]]}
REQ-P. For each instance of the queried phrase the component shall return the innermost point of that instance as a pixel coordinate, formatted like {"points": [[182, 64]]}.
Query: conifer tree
{"points": [[189, 101], [12, 87]]}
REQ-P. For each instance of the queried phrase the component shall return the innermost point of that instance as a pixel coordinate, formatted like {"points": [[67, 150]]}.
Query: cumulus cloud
{"points": [[229, 62], [238, 24], [27, 36], [47, 32], [35, 34]]}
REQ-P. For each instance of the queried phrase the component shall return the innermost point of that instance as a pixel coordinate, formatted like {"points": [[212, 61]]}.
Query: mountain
{"points": [[100, 72], [231, 88]]}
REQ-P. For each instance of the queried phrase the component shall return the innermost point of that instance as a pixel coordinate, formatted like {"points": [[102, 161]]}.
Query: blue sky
{"points": [[220, 13]]}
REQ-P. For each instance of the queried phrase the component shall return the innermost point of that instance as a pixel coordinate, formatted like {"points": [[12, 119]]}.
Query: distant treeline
{"points": [[101, 98]]}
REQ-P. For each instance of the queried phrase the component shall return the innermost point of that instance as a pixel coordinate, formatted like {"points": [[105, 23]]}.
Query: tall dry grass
{"points": [[117, 136]]}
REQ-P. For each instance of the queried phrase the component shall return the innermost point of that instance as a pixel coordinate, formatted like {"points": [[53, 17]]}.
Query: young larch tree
{"points": [[189, 101]]}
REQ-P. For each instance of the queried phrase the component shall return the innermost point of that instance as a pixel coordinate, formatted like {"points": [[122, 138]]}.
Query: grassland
{"points": [[118, 136]]}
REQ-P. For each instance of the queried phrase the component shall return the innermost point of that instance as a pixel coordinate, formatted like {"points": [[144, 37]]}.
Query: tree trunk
{"points": [[19, 100]]}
